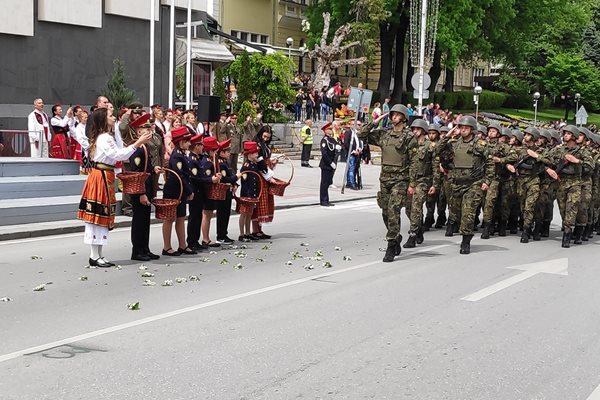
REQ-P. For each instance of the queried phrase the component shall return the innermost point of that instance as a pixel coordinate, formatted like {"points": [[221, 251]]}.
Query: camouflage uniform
{"points": [[493, 194]]}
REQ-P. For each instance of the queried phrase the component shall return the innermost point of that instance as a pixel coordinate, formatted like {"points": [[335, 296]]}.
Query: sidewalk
{"points": [[303, 191]]}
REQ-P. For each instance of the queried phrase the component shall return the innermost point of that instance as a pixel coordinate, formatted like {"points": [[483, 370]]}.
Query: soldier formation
{"points": [[512, 177]]}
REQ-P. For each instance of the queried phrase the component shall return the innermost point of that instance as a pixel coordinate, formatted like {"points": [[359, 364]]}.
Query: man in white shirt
{"points": [[38, 125]]}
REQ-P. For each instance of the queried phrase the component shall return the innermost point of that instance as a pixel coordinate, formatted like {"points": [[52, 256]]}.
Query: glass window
{"points": [[264, 39], [244, 36], [201, 79], [254, 38]]}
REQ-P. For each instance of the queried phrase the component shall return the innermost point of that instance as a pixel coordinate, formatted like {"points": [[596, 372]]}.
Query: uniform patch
{"points": [[224, 173], [137, 161], [194, 171], [208, 172], [179, 165], [244, 176]]}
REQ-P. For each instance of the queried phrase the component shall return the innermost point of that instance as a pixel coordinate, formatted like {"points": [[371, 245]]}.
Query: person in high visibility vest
{"points": [[306, 137]]}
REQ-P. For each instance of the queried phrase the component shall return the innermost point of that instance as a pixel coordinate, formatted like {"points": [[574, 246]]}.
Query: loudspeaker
{"points": [[209, 108]]}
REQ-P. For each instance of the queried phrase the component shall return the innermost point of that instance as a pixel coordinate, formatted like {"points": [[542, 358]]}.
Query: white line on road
{"points": [[595, 394], [499, 286], [127, 325]]}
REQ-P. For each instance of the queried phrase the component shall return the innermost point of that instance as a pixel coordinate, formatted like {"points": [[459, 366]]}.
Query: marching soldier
{"points": [[581, 223], [394, 178], [470, 175], [432, 200], [547, 193], [444, 194]]}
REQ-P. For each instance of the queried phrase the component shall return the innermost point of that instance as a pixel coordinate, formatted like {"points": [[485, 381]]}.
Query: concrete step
{"points": [[44, 209], [40, 186], [22, 166]]}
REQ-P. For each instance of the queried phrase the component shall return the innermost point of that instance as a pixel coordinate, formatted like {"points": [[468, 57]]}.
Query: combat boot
{"points": [[525, 234], [545, 229], [501, 228], [465, 245], [411, 242], [536, 231], [485, 234], [398, 246], [420, 237], [450, 229], [390, 252], [577, 233], [440, 222], [587, 233], [429, 221], [566, 239]]}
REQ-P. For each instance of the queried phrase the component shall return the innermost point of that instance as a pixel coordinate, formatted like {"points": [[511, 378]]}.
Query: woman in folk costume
{"points": [[141, 161], [98, 201], [263, 213], [61, 143], [179, 163]]}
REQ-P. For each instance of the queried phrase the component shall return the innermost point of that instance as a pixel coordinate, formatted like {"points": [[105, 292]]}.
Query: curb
{"points": [[126, 224]]}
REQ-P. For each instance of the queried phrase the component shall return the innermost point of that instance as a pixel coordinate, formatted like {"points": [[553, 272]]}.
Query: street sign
{"points": [[425, 94], [356, 103], [414, 81], [581, 116]]}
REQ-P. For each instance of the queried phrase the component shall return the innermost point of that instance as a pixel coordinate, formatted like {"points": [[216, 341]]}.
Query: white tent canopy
{"points": [[204, 50]]}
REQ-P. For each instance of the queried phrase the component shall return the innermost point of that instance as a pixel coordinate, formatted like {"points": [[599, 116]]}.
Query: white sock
{"points": [[94, 251], [100, 251]]}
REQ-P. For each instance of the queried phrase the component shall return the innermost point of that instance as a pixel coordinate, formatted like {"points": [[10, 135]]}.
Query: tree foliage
{"points": [[116, 87]]}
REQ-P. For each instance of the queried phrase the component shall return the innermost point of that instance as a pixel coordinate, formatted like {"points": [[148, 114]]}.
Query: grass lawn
{"points": [[546, 115]]}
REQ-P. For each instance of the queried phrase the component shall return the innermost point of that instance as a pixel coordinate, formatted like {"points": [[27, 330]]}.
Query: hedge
{"points": [[464, 100]]}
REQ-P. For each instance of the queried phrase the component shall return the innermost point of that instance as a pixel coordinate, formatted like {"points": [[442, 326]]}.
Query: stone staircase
{"points": [[39, 190]]}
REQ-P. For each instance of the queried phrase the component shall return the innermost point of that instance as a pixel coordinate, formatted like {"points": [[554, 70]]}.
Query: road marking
{"points": [[559, 266], [132, 324], [595, 394]]}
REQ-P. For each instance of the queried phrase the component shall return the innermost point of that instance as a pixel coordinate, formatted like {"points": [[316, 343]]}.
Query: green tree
{"points": [[116, 88], [219, 86], [567, 74], [244, 80]]}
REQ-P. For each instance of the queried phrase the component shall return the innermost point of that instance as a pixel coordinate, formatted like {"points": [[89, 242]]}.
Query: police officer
{"points": [[306, 138], [329, 146], [394, 179], [470, 175]]}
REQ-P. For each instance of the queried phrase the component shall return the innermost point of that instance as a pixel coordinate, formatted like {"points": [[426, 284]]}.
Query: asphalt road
{"points": [[431, 325]]}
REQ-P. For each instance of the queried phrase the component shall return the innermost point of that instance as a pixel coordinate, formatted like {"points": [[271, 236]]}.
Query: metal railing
{"points": [[16, 143]]}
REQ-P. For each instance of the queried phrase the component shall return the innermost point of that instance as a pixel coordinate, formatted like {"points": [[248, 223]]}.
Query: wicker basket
{"points": [[247, 204], [166, 209], [275, 186], [217, 191], [135, 182]]}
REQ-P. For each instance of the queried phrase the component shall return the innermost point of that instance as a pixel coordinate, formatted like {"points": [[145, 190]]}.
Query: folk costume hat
{"points": [[210, 143], [179, 134], [225, 145], [250, 147], [141, 122], [197, 139]]}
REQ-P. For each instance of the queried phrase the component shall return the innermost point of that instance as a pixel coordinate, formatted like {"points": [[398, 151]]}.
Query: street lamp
{"points": [[577, 98], [477, 91], [536, 97], [290, 42]]}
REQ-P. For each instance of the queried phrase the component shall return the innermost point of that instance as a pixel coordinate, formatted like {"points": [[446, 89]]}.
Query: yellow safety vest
{"points": [[306, 135]]}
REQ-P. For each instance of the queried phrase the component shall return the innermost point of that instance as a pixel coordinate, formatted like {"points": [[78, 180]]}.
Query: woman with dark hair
{"points": [[61, 146], [263, 213], [98, 201]]}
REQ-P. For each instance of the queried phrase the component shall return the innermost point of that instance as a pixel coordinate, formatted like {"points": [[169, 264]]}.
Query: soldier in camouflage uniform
{"points": [[581, 232], [432, 200], [424, 179], [470, 174], [497, 151], [548, 188], [596, 185], [444, 193], [528, 180], [394, 177]]}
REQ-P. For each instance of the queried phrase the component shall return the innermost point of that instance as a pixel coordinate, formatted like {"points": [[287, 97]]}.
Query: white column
{"points": [[151, 98], [422, 54], [188, 65], [171, 53]]}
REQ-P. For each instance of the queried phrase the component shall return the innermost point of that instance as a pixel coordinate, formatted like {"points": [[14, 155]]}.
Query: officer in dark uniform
{"points": [[329, 146]]}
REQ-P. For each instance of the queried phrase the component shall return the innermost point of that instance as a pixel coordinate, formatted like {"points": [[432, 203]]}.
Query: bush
{"points": [[464, 100], [244, 110]]}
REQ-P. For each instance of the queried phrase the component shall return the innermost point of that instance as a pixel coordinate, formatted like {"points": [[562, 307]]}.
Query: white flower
{"points": [[83, 278], [309, 267], [142, 267], [6, 299], [337, 248], [147, 275], [148, 282], [238, 266], [180, 280], [168, 282], [347, 258], [194, 278], [40, 288], [327, 264]]}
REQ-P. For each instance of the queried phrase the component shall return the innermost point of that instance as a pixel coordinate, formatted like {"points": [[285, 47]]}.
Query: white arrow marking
{"points": [[595, 394], [559, 266]]}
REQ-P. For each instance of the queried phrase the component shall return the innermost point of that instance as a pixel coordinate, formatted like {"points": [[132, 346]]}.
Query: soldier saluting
{"points": [[394, 178]]}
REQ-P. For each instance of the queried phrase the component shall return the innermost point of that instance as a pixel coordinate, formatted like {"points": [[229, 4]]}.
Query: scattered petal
{"points": [[347, 258], [382, 249], [83, 278], [142, 267], [40, 288], [194, 278], [118, 267], [295, 255], [6, 299], [36, 257], [309, 267], [73, 253], [168, 282], [167, 265], [224, 261], [337, 248], [204, 259], [327, 264], [212, 252], [233, 247], [181, 280], [90, 267], [319, 253], [304, 244], [289, 263], [240, 254], [238, 266], [243, 246], [147, 275], [148, 282], [260, 260], [266, 247], [134, 306]]}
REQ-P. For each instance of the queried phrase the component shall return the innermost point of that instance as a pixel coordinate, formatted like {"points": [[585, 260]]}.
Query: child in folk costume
{"points": [[228, 176], [250, 188], [98, 201], [263, 213], [195, 158], [178, 162], [208, 177], [141, 203]]}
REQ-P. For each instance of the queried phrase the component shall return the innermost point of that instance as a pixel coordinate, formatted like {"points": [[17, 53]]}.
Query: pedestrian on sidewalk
{"points": [[98, 201], [329, 146], [306, 136], [353, 146]]}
